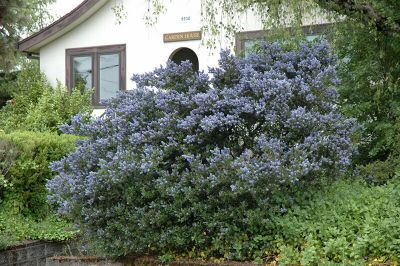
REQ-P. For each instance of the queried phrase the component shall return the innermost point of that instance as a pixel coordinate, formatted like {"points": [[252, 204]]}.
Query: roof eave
{"points": [[71, 20]]}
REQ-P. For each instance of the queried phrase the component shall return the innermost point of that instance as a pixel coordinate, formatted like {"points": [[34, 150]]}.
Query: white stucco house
{"points": [[87, 45]]}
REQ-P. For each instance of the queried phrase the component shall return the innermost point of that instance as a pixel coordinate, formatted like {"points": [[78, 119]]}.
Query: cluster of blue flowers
{"points": [[171, 163]]}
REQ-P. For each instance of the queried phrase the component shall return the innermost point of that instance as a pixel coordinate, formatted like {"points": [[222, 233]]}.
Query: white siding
{"points": [[145, 49]]}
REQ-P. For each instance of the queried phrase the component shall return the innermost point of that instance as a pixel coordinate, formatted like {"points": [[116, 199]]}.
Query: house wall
{"points": [[145, 48]]}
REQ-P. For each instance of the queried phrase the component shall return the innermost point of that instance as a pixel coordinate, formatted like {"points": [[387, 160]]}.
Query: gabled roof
{"points": [[82, 12]]}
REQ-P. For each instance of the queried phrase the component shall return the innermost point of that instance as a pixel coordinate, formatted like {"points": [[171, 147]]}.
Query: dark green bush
{"points": [[380, 171], [24, 169], [370, 87], [6, 90]]}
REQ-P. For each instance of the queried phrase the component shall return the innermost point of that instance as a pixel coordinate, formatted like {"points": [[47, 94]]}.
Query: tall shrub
{"points": [[370, 90], [37, 106], [190, 162]]}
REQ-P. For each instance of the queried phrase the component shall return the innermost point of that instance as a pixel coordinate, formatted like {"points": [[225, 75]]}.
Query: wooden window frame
{"points": [[242, 37], [95, 53]]}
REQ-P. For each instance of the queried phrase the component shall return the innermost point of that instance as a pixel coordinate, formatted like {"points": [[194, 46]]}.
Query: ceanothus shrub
{"points": [[186, 162]]}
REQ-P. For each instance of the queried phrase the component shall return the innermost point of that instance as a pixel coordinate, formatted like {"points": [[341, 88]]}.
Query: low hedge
{"points": [[24, 169]]}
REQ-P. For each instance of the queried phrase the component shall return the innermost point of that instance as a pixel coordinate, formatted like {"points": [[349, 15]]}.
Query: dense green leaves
{"points": [[25, 155], [24, 170], [17, 227], [27, 170], [382, 15], [348, 223], [37, 106], [370, 88]]}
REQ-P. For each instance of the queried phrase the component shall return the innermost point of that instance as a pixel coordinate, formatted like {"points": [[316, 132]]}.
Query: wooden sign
{"points": [[182, 36]]}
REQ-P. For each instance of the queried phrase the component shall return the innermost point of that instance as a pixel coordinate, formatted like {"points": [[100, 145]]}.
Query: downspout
{"points": [[29, 55], [33, 56]]}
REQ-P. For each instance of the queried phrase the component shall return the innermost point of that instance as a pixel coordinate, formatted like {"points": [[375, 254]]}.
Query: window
{"points": [[101, 68], [246, 40]]}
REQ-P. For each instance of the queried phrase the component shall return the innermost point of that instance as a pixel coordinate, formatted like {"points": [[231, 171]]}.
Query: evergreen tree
{"points": [[19, 17]]}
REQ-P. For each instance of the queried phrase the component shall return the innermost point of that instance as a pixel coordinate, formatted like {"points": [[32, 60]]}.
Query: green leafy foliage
{"points": [[37, 106], [25, 155], [14, 228], [6, 90], [24, 169], [8, 155], [348, 223], [379, 172], [63, 106], [27, 89], [345, 223], [370, 88]]}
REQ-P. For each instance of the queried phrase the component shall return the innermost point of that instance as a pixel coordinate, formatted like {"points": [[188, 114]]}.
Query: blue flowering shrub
{"points": [[195, 163]]}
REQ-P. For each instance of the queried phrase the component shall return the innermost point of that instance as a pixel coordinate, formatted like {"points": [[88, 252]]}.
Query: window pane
{"points": [[249, 46], [109, 75], [311, 38], [82, 72]]}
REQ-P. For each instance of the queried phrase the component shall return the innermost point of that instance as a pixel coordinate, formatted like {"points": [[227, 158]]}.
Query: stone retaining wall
{"points": [[32, 253], [41, 253], [141, 261], [80, 261]]}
